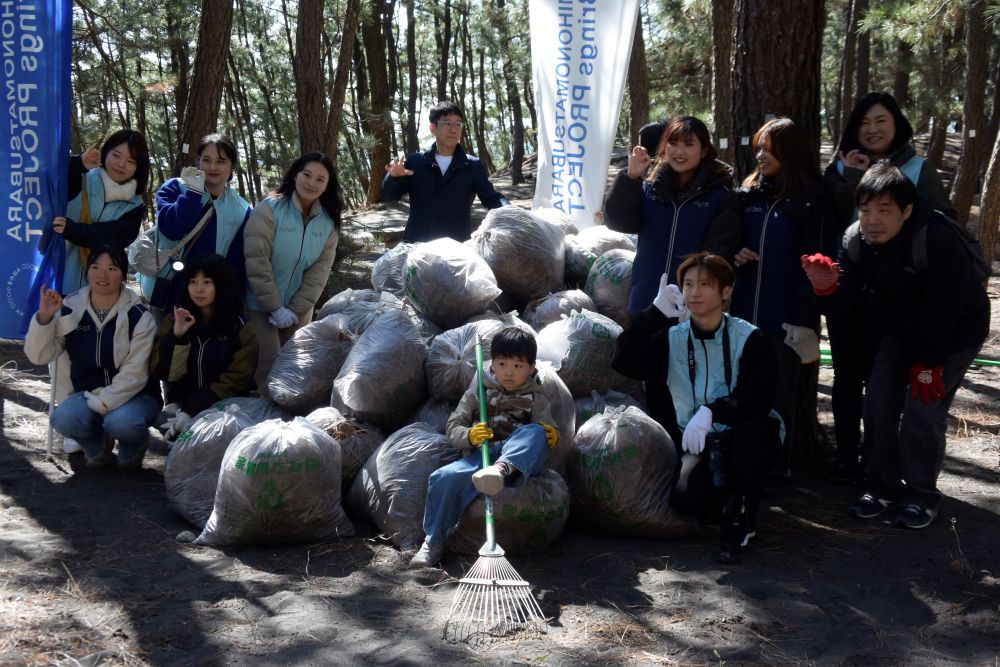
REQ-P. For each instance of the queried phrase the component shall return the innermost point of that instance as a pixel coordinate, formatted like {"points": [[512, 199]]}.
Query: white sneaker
{"points": [[429, 555], [71, 446], [488, 481]]}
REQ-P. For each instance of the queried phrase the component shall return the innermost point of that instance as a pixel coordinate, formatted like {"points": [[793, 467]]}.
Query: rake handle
{"points": [[484, 448]]}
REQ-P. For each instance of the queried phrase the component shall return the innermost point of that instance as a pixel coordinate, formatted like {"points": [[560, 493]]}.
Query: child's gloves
{"points": [[480, 433], [925, 383], [551, 435], [822, 272]]}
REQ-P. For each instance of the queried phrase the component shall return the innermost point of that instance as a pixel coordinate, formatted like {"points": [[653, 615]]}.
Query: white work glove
{"points": [[693, 439], [172, 409], [803, 340], [669, 300], [177, 424], [95, 403], [194, 178], [283, 318]]}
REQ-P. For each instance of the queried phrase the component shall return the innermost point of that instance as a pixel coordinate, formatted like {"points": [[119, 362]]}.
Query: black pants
{"points": [[753, 446], [854, 342]]}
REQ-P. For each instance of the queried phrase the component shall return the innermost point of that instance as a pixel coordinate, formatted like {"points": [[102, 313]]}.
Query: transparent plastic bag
{"points": [[610, 284], [382, 379], [526, 254], [341, 300], [527, 518], [387, 272], [596, 403], [583, 249], [448, 282], [553, 307], [579, 347], [257, 409], [391, 488], [302, 374], [451, 358], [191, 472], [357, 439], [621, 476], [280, 482], [556, 218]]}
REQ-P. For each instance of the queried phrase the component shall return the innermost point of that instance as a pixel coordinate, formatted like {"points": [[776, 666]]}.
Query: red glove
{"points": [[822, 272], [925, 382]]}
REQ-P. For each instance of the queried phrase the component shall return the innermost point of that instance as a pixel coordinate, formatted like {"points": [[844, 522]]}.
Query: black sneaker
{"points": [[869, 506], [736, 546], [914, 517]]}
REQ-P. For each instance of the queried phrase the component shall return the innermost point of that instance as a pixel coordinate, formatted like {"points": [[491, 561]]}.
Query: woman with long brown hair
{"points": [[786, 213]]}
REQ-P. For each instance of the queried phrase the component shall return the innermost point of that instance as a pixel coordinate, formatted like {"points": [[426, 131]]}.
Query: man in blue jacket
{"points": [[441, 182]]}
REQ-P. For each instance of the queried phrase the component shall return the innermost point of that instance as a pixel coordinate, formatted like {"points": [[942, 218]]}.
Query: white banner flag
{"points": [[579, 56]]}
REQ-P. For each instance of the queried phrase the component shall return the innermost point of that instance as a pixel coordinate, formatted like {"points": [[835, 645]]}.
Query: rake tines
{"points": [[492, 601]]}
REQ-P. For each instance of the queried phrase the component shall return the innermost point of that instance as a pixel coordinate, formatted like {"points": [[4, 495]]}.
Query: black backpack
{"points": [[853, 241]]}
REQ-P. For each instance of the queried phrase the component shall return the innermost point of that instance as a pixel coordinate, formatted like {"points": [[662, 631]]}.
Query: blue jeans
{"points": [[904, 438], [450, 489], [128, 424]]}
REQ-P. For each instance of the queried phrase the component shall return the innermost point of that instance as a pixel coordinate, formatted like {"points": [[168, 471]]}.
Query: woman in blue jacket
{"points": [[290, 244], [786, 214], [105, 204], [686, 205], [182, 202], [206, 350]]}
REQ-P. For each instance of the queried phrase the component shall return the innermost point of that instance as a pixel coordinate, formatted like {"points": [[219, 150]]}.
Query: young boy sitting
{"points": [[519, 428]]}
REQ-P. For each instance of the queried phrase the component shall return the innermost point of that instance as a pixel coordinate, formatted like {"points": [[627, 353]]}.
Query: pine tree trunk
{"points": [[309, 75], [442, 39], [848, 64], [864, 53], [722, 77], [338, 93], [974, 138], [901, 80], [208, 79], [989, 208], [375, 121], [776, 71], [410, 121], [638, 84]]}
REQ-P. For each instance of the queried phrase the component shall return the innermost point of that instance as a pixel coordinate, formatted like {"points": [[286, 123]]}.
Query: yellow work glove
{"points": [[480, 433], [551, 435]]}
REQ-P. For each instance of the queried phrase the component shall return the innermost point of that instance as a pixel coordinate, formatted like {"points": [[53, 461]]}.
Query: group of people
{"points": [[728, 288], [870, 244], [209, 323]]}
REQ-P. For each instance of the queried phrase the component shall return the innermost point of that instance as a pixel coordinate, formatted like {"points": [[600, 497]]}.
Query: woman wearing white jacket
{"points": [[108, 335]]}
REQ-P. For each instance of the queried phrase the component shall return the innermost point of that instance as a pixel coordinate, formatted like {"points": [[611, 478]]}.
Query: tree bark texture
{"points": [[410, 121], [901, 80], [209, 78], [638, 84], [864, 54], [338, 92], [309, 75], [989, 210], [848, 64], [974, 135], [776, 69], [722, 77], [375, 118]]}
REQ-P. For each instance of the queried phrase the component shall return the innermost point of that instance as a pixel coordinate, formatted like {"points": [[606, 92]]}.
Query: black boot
{"points": [[739, 532]]}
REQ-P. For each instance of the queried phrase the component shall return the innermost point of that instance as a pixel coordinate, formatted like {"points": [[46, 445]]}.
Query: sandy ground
{"points": [[90, 573]]}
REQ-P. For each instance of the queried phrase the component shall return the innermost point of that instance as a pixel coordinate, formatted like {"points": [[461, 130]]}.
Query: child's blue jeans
{"points": [[450, 489]]}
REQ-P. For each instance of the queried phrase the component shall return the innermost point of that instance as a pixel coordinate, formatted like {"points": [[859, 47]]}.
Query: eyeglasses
{"points": [[450, 124]]}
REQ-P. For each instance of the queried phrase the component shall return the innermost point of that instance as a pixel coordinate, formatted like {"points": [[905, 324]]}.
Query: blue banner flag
{"points": [[35, 41]]}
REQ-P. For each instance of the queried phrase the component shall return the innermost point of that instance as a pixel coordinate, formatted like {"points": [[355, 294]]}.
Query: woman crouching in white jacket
{"points": [[108, 335]]}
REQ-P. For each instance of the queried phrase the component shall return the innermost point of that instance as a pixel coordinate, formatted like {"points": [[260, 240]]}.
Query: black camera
{"points": [[718, 445]]}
